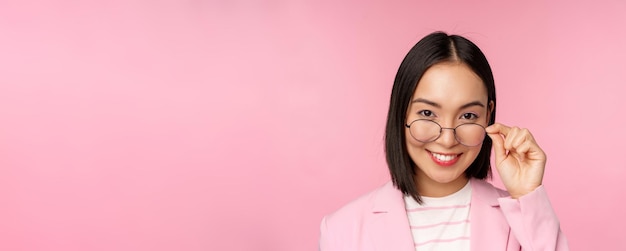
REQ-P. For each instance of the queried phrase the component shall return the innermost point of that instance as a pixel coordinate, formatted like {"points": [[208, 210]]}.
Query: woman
{"points": [[440, 131]]}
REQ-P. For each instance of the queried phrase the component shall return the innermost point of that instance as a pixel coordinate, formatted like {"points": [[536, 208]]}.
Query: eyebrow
{"points": [[432, 103]]}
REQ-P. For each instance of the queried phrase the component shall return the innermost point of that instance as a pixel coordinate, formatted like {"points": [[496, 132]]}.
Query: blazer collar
{"points": [[489, 228], [390, 228], [388, 221], [485, 192], [388, 199]]}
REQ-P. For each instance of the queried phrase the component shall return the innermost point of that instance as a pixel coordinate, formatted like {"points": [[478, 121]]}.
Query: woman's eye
{"points": [[426, 113], [469, 116]]}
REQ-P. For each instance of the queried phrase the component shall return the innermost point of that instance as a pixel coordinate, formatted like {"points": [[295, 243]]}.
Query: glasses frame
{"points": [[441, 128]]}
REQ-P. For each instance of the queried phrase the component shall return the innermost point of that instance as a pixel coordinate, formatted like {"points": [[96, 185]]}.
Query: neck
{"points": [[430, 188]]}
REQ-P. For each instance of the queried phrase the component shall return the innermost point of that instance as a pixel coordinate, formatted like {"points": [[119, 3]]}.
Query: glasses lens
{"points": [[470, 134], [425, 130]]}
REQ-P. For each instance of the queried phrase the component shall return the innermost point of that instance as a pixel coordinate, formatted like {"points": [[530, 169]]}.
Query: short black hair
{"points": [[435, 48]]}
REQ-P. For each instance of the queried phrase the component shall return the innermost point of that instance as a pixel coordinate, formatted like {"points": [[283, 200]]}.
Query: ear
{"points": [[490, 108]]}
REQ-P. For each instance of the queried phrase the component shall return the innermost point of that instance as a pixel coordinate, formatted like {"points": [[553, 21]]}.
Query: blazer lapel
{"points": [[489, 228], [388, 222], [388, 225]]}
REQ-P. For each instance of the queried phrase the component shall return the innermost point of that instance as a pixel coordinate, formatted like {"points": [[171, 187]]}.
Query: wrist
{"points": [[522, 192]]}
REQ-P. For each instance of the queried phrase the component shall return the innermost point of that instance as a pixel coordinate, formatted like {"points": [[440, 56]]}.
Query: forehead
{"points": [[451, 84]]}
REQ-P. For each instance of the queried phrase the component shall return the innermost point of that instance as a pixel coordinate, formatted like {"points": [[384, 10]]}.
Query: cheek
{"points": [[410, 141], [414, 147], [474, 152]]}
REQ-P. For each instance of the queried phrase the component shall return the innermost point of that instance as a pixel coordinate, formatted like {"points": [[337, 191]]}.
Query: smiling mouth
{"points": [[444, 159]]}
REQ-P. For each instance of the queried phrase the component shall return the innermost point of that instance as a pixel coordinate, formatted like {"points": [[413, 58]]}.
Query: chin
{"points": [[447, 179]]}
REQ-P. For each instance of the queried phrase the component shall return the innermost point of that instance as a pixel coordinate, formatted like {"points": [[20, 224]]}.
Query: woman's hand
{"points": [[519, 160]]}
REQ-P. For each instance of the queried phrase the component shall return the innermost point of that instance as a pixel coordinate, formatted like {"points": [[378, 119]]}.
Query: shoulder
{"points": [[352, 213], [360, 205], [351, 220]]}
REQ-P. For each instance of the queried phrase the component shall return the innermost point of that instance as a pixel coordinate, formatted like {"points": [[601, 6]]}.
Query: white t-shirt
{"points": [[441, 223]]}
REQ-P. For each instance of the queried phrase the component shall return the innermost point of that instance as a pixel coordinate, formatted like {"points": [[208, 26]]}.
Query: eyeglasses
{"points": [[424, 130]]}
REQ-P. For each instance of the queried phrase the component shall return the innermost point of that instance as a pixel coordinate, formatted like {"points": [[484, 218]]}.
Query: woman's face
{"points": [[450, 94]]}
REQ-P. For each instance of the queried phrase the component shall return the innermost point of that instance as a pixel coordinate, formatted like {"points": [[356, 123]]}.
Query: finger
{"points": [[521, 151], [531, 150], [512, 139], [523, 145], [524, 148], [498, 147], [517, 137], [498, 128]]}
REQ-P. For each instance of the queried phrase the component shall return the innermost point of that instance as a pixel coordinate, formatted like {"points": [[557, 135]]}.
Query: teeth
{"points": [[442, 157]]}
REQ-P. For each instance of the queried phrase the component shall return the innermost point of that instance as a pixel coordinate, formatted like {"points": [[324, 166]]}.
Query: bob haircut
{"points": [[435, 48]]}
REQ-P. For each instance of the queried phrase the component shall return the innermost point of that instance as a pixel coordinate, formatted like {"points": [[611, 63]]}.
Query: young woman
{"points": [[440, 131]]}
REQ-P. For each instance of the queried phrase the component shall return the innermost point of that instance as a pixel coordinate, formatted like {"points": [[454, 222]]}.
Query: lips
{"points": [[444, 159]]}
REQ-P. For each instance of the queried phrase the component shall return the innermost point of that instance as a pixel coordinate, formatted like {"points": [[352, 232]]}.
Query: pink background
{"points": [[236, 125]]}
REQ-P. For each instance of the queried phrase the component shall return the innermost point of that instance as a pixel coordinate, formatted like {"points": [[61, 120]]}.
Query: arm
{"points": [[324, 244], [521, 164], [533, 221]]}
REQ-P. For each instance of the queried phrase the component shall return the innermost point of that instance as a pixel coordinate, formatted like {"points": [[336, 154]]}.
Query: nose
{"points": [[447, 137]]}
